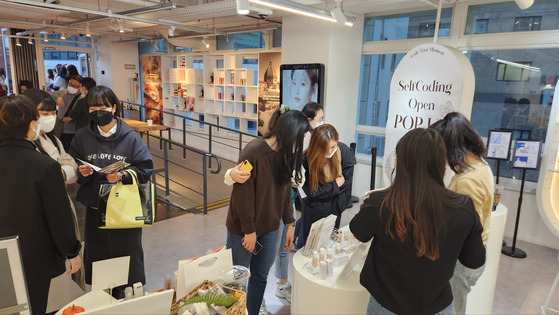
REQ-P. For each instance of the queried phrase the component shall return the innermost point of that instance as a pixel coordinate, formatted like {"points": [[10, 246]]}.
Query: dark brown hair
{"points": [[318, 147], [459, 137], [16, 113], [417, 199]]}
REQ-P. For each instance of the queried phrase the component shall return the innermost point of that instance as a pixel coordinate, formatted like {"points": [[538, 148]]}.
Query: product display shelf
{"points": [[183, 84], [216, 89], [232, 90]]}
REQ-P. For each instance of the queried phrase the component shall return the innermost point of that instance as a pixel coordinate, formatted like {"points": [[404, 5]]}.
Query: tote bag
{"points": [[125, 206]]}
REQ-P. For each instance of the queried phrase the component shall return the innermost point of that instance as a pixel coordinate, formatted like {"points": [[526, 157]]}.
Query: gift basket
{"points": [[212, 298]]}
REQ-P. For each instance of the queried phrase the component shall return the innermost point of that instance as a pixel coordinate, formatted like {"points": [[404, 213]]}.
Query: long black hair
{"points": [[310, 109], [459, 137], [289, 131]]}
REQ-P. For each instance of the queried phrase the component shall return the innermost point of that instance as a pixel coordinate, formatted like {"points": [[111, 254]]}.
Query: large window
{"points": [[240, 41], [508, 17], [406, 26], [514, 77]]}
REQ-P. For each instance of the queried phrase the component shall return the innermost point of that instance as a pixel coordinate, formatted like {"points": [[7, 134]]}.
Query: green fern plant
{"points": [[216, 298]]}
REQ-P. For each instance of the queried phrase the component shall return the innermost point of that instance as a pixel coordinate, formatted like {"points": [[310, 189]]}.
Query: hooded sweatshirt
{"points": [[124, 145]]}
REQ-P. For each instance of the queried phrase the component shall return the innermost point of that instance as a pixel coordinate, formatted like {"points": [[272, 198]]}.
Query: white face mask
{"points": [[72, 90], [319, 124], [47, 123], [36, 130], [329, 156]]}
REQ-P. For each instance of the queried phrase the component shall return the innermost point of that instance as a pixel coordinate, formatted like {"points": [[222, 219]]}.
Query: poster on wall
{"points": [[268, 88], [431, 81], [301, 83], [151, 72]]}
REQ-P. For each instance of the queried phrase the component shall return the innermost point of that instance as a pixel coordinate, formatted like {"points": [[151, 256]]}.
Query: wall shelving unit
{"points": [[212, 88]]}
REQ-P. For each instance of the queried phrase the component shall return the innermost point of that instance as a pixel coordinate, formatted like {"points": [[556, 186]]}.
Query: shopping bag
{"points": [[125, 206], [192, 272]]}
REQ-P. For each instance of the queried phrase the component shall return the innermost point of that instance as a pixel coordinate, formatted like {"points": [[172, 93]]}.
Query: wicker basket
{"points": [[238, 308]]}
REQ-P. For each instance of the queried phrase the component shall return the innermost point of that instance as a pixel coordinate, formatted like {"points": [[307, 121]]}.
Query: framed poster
{"points": [[300, 84], [14, 298], [526, 154], [498, 144]]}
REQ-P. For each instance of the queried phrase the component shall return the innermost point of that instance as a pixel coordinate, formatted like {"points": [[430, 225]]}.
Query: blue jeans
{"points": [[374, 308], [259, 265], [282, 258], [461, 283]]}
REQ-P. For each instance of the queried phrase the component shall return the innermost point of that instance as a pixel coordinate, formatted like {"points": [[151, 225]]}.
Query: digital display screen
{"points": [[300, 84]]}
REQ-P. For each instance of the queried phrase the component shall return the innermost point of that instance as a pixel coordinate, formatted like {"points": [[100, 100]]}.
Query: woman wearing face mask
{"points": [[328, 174], [106, 140], [48, 143], [34, 201]]}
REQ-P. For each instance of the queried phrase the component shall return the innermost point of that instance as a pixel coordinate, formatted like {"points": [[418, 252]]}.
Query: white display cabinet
{"points": [[214, 88]]}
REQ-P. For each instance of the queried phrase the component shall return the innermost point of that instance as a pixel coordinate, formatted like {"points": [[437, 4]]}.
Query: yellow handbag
{"points": [[125, 206]]}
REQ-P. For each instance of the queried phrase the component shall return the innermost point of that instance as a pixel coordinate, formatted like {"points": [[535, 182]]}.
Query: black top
{"points": [[124, 145], [404, 283], [36, 207]]}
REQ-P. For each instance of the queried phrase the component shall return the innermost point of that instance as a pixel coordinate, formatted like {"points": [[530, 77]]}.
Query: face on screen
{"points": [[301, 90]]}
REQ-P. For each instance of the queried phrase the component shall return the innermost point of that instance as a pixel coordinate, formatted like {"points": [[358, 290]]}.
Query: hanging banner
{"points": [[151, 72], [431, 81], [268, 88]]}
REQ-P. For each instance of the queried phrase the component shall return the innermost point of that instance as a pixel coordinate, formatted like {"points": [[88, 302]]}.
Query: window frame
{"points": [[457, 38]]}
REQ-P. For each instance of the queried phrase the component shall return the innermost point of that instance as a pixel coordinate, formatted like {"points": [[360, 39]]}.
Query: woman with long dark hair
{"points": [[328, 167], [258, 205], [420, 229], [473, 177]]}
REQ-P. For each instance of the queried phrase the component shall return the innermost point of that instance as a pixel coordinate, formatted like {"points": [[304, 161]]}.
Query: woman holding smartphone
{"points": [[258, 205]]}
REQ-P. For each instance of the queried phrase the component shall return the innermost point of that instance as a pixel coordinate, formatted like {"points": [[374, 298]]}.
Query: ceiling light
{"points": [[242, 7], [30, 41], [338, 14], [171, 31], [87, 33], [155, 46], [62, 35], [120, 28], [297, 8], [205, 43], [45, 37], [524, 4], [18, 42]]}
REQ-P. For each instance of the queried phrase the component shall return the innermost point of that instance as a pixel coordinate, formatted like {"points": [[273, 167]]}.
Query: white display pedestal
{"points": [[480, 299], [310, 295]]}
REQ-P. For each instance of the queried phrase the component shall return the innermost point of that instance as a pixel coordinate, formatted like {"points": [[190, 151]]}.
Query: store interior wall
{"points": [[339, 49], [112, 58]]}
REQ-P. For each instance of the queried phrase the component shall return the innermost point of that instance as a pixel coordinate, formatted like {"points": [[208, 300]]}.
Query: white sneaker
{"points": [[263, 310], [284, 291]]}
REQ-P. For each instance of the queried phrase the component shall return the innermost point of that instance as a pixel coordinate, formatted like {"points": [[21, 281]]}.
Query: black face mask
{"points": [[101, 117]]}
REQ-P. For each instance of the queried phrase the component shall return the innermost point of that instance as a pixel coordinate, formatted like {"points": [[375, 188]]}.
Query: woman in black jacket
{"points": [[34, 202], [106, 140], [420, 229], [328, 175]]}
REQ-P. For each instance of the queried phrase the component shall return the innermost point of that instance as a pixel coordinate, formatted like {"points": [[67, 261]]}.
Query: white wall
{"points": [[112, 58], [306, 40]]}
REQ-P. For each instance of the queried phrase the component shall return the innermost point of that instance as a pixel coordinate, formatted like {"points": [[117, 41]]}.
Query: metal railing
{"points": [[165, 170], [211, 126]]}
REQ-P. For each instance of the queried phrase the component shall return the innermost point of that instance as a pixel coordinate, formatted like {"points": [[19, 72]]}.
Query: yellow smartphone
{"points": [[246, 167]]}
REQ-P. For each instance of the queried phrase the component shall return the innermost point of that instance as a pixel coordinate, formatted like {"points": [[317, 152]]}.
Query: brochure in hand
{"points": [[115, 167]]}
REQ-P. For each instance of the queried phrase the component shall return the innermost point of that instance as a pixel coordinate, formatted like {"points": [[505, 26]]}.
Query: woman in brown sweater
{"points": [[258, 205]]}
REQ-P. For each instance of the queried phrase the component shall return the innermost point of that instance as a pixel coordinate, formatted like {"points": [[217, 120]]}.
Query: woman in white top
{"points": [[48, 143]]}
